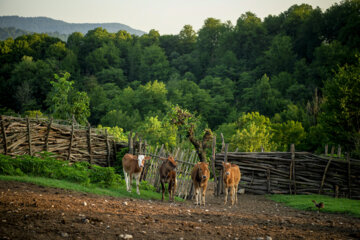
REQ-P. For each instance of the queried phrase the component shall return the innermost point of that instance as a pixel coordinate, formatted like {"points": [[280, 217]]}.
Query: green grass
{"points": [[47, 171], [332, 205], [119, 191]]}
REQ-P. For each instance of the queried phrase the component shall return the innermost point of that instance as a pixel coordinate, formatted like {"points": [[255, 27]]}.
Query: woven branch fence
{"points": [[69, 142], [294, 173]]}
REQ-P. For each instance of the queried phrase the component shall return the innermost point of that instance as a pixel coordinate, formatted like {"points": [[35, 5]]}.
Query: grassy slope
{"points": [[119, 191], [332, 205]]}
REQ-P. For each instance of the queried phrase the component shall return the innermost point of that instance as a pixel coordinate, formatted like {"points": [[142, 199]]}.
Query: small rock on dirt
{"points": [[64, 234], [126, 236]]}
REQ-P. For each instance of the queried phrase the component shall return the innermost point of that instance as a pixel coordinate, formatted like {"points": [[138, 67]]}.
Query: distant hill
{"points": [[49, 25], [11, 32]]}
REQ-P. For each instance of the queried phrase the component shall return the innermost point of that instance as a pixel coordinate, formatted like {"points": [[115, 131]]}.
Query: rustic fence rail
{"points": [[295, 173], [71, 142]]}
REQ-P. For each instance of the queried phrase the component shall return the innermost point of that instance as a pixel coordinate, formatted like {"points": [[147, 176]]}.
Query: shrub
{"points": [[48, 166]]}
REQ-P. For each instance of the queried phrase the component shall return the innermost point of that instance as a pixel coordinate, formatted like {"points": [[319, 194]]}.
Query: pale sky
{"points": [[166, 16]]}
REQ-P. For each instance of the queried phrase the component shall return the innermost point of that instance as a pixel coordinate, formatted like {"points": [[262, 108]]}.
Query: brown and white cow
{"points": [[231, 179], [168, 175], [200, 175], [132, 167]]}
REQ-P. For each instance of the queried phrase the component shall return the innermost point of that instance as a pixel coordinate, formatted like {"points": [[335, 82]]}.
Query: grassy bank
{"points": [[331, 205], [81, 176]]}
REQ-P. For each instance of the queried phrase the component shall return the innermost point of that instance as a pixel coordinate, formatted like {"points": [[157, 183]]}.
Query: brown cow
{"points": [[200, 175], [168, 175], [232, 177], [133, 166]]}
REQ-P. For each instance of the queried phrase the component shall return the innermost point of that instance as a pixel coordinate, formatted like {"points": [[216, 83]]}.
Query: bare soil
{"points": [[28, 211]]}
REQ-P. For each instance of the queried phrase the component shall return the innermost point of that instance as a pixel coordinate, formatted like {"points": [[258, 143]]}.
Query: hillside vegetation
{"points": [[290, 78]]}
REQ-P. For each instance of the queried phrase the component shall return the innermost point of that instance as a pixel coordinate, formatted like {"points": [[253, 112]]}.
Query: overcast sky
{"points": [[166, 16]]}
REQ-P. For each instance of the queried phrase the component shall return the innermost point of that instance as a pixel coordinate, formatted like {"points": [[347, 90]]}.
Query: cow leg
{"points": [[162, 189], [203, 195], [127, 181], [226, 195], [196, 195], [174, 189], [137, 177], [236, 193], [170, 190], [232, 191]]}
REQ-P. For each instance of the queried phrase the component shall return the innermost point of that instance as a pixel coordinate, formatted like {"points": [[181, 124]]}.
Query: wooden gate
{"points": [[185, 162]]}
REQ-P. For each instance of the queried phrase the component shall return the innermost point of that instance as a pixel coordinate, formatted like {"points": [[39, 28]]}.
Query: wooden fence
{"points": [[69, 142], [294, 173]]}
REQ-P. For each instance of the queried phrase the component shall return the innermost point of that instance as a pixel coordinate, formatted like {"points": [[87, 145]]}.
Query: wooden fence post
{"points": [[213, 163], [130, 141], [4, 135], [29, 135], [293, 166], [326, 169], [107, 147], [47, 135], [89, 143], [134, 144], [339, 151], [349, 174], [326, 149], [268, 180], [222, 172], [226, 152], [71, 139], [222, 142]]}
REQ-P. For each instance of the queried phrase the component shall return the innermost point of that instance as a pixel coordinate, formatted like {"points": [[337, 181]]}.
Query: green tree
{"points": [[341, 111], [280, 56], [287, 133], [154, 65], [187, 38], [65, 101], [253, 133], [158, 132]]}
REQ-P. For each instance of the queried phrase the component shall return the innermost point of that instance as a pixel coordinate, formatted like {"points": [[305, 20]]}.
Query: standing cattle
{"points": [[132, 166], [200, 175], [168, 175], [232, 177]]}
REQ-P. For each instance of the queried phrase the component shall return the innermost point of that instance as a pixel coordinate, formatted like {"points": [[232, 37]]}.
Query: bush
{"points": [[48, 166]]}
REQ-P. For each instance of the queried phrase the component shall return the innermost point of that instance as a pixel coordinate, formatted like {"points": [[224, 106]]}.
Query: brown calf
{"points": [[133, 166], [200, 175], [231, 179], [168, 175]]}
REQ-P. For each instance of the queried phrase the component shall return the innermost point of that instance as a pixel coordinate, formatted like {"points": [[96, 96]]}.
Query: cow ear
{"points": [[148, 158], [198, 163]]}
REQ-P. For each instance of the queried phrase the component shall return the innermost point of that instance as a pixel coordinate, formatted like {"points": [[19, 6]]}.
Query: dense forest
{"points": [[290, 78]]}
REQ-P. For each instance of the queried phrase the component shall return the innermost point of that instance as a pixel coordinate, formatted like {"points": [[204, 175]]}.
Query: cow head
{"points": [[226, 167], [171, 162], [142, 159], [203, 170]]}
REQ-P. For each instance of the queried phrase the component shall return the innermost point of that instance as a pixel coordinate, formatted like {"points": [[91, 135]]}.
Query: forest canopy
{"points": [[290, 78]]}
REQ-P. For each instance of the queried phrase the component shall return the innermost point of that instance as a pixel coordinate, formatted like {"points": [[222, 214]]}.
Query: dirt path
{"points": [[28, 211]]}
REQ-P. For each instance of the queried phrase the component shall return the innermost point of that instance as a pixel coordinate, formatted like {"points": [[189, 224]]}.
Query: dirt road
{"points": [[28, 211]]}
